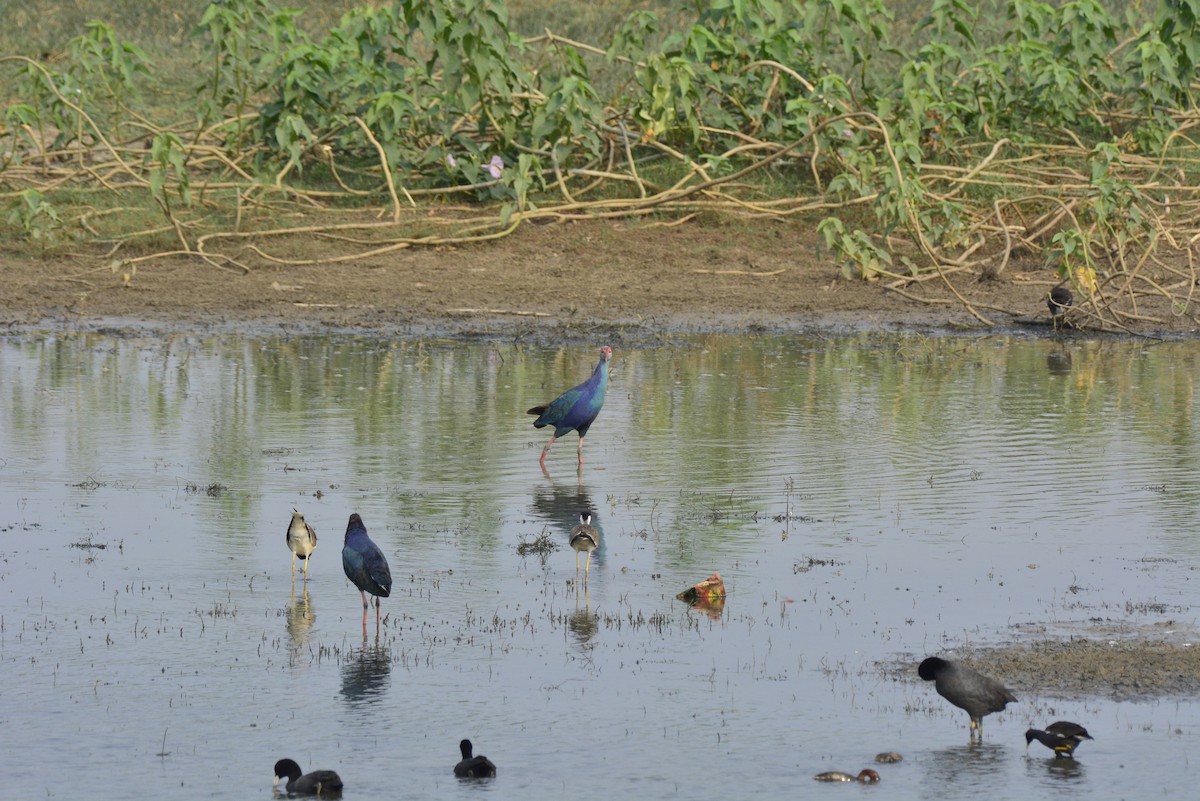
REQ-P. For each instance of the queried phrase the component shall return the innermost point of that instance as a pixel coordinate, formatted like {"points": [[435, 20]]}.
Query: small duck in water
{"points": [[866, 776], [319, 782], [473, 767]]}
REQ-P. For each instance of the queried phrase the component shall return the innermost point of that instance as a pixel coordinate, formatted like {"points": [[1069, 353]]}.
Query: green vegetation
{"points": [[920, 152]]}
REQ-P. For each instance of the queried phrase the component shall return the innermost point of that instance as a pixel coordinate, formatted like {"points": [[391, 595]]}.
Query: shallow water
{"points": [[868, 500]]}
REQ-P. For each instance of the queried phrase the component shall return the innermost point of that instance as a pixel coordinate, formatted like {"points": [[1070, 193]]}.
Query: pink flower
{"points": [[495, 166], [451, 162]]}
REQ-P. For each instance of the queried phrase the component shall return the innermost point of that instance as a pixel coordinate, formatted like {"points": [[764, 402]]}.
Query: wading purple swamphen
{"points": [[575, 409], [366, 566]]}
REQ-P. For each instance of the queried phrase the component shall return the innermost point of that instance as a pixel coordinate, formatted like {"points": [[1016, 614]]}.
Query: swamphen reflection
{"points": [[1062, 736], [470, 767], [366, 566], [577, 408], [966, 689]]}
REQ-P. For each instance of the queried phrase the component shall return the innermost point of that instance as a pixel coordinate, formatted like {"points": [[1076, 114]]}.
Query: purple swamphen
{"points": [[366, 566], [575, 409]]}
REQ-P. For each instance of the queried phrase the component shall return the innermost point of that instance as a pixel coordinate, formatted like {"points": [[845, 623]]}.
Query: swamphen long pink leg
{"points": [[366, 606], [581, 451], [546, 450]]}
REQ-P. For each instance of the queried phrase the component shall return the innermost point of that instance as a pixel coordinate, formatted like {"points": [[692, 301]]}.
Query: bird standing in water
{"points": [[1059, 300], [584, 538], [366, 566], [470, 767], [1062, 736], [319, 782], [966, 689], [575, 409], [301, 539]]}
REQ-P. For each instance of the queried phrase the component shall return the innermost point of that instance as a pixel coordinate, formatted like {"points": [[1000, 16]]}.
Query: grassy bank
{"points": [[940, 142]]}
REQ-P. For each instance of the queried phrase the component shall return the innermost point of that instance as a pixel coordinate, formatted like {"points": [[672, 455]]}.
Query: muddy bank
{"points": [[1130, 669], [572, 281]]}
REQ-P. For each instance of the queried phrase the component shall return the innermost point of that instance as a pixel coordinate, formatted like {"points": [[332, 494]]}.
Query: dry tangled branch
{"points": [[1119, 225]]}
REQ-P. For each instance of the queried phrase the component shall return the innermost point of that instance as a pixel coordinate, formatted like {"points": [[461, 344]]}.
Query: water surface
{"points": [[868, 500]]}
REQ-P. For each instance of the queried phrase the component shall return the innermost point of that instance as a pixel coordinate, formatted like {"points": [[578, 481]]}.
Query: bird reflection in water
{"points": [[1062, 768], [300, 617], [560, 505], [366, 674], [1058, 363], [974, 764], [583, 623]]}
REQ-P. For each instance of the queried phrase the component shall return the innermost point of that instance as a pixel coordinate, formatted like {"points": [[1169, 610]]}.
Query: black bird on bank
{"points": [[320, 782], [470, 767], [966, 689], [1059, 300], [1062, 736]]}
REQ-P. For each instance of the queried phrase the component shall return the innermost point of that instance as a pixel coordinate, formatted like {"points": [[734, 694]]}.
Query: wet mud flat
{"points": [[1123, 670], [1158, 661]]}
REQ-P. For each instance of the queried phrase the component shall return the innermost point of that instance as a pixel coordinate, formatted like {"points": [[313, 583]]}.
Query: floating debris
{"points": [[811, 562], [708, 596], [100, 546], [213, 490], [542, 546]]}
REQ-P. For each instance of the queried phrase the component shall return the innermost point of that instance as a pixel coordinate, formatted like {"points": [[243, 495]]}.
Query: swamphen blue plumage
{"points": [[577, 408], [366, 566]]}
